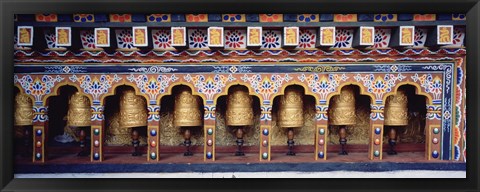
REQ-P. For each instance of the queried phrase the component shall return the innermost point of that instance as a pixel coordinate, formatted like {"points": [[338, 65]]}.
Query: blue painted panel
{"points": [[444, 17], [405, 17], [290, 17], [252, 18], [215, 17], [178, 17], [65, 17], [365, 17], [139, 18], [101, 18], [326, 17]]}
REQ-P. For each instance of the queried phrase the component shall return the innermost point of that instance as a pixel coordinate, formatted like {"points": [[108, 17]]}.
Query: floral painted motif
{"points": [[152, 86], [208, 86], [266, 85], [345, 17], [271, 39], [124, 38], [307, 39], [271, 18], [377, 115], [382, 38], [197, 17], [162, 39], [420, 37], [343, 38], [45, 17], [96, 85], [323, 84], [424, 17], [88, 39], [197, 38], [459, 16], [458, 37], [83, 18], [97, 112], [431, 84], [379, 85], [50, 39], [308, 18], [38, 87], [158, 18], [235, 39], [385, 17], [40, 113], [120, 18], [233, 18]]}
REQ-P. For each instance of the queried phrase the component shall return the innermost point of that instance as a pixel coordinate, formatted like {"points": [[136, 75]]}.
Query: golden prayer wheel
{"points": [[79, 111], [342, 108], [186, 111], [290, 110], [23, 110], [239, 107], [396, 109], [133, 112]]}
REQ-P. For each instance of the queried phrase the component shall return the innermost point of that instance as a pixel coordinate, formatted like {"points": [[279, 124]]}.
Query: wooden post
{"points": [[209, 124], [433, 132], [153, 131], [321, 132], [40, 126], [375, 149], [97, 133], [265, 131]]}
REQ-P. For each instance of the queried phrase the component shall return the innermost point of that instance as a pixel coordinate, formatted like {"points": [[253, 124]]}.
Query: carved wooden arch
{"points": [[339, 89], [170, 87], [229, 85], [306, 90], [418, 91], [66, 83], [113, 91]]}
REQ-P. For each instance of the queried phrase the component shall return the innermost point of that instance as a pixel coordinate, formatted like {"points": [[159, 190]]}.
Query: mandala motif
{"points": [[96, 85], [271, 39], [266, 85], [343, 38], [233, 17], [379, 85], [308, 38], [322, 84], [384, 17], [38, 87], [308, 18], [124, 38], [161, 39], [88, 39], [382, 38], [235, 39], [197, 38]]}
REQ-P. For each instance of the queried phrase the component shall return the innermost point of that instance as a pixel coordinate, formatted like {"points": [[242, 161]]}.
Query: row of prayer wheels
{"points": [[239, 113]]}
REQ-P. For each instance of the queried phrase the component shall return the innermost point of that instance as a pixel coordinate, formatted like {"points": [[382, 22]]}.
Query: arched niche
{"points": [[172, 136], [411, 137], [115, 136], [304, 136], [225, 138], [358, 134]]}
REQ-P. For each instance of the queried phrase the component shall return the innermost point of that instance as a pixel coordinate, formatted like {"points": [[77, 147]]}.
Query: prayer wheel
{"points": [[79, 111], [342, 108], [186, 109], [133, 112], [239, 107], [23, 110], [396, 109], [290, 111]]}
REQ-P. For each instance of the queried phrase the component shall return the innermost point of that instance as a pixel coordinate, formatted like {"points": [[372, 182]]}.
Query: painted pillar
{"points": [[265, 130], [40, 127], [375, 149], [321, 133], [153, 131], [433, 132], [209, 124], [97, 133]]}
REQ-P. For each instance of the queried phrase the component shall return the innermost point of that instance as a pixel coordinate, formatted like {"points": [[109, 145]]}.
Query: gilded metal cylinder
{"points": [[239, 107], [133, 112], [186, 110], [396, 109], [23, 110], [290, 110], [79, 111], [342, 108]]}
